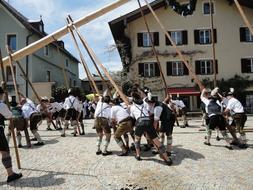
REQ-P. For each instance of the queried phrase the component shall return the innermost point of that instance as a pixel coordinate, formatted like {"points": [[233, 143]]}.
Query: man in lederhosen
{"points": [[165, 114], [124, 124], [216, 119], [235, 108], [30, 112], [5, 113], [144, 124], [71, 106], [102, 125]]}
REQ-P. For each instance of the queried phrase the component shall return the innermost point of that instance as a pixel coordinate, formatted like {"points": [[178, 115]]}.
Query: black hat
{"points": [[1, 90], [230, 94]]}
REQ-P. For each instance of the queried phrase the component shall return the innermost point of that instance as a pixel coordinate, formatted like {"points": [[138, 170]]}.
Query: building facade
{"points": [[45, 66], [192, 35]]}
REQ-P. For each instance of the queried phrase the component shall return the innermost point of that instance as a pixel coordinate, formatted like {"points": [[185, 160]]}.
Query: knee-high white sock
{"points": [[37, 136]]}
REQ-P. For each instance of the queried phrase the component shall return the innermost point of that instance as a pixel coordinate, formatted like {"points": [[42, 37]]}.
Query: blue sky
{"points": [[97, 32]]}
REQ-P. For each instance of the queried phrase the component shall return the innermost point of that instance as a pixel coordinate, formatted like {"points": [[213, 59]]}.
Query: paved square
{"points": [[71, 163]]}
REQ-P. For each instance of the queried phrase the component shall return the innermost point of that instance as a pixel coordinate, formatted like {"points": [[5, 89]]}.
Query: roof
{"points": [[96, 79], [33, 26], [156, 5]]}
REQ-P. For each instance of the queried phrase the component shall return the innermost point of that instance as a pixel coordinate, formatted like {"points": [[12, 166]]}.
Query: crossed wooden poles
{"points": [[72, 26]]}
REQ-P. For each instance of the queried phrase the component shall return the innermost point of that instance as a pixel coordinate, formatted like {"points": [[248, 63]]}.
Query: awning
{"points": [[191, 91]]}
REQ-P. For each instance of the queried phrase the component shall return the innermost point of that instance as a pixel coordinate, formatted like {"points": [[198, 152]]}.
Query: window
{"points": [[74, 82], [9, 77], [206, 8], [46, 50], [176, 68], [247, 65], [178, 37], [67, 62], [70, 82], [144, 39], [205, 67], [48, 79], [100, 87], [245, 35], [12, 41], [204, 36], [149, 69]]}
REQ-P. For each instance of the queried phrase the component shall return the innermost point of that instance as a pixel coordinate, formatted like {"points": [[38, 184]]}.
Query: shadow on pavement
{"points": [[37, 182], [182, 153]]}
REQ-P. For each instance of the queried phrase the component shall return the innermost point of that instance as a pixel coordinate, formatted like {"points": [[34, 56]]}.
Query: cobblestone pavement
{"points": [[71, 163]]}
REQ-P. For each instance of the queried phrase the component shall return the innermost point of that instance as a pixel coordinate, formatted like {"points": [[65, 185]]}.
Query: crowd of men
{"points": [[141, 115]]}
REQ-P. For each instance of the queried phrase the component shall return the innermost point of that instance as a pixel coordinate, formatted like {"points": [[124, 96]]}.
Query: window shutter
{"points": [[196, 36], [186, 71], [185, 37], [244, 65], [140, 39], [169, 68], [167, 39], [242, 34], [215, 35], [141, 69], [156, 38], [197, 67], [216, 66], [157, 70]]}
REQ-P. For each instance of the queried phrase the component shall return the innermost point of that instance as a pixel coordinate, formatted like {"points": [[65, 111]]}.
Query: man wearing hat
{"points": [[165, 114], [71, 105], [144, 124], [30, 112], [5, 113], [124, 124], [216, 119], [235, 108], [102, 116]]}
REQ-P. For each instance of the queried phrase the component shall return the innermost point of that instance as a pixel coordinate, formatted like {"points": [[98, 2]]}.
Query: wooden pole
{"points": [[11, 121], [63, 31], [154, 49], [191, 72], [213, 44], [244, 17], [89, 75], [88, 49], [106, 73]]}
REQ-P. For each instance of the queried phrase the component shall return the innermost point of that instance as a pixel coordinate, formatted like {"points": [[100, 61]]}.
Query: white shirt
{"points": [[157, 112], [119, 113], [179, 103], [103, 110], [235, 106], [206, 102], [55, 107], [135, 111], [80, 107], [28, 109], [4, 110], [71, 102]]}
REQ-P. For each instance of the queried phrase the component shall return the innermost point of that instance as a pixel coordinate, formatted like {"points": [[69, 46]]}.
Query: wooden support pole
{"points": [[191, 72], [11, 121], [89, 75], [122, 95], [88, 49], [211, 8], [244, 17], [63, 31], [154, 49]]}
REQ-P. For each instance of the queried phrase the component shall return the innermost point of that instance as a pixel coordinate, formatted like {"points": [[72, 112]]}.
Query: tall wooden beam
{"points": [[63, 31], [189, 67], [244, 17], [11, 121]]}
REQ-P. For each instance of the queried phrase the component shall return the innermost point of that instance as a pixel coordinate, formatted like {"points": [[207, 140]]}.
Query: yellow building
{"points": [[192, 34]]}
